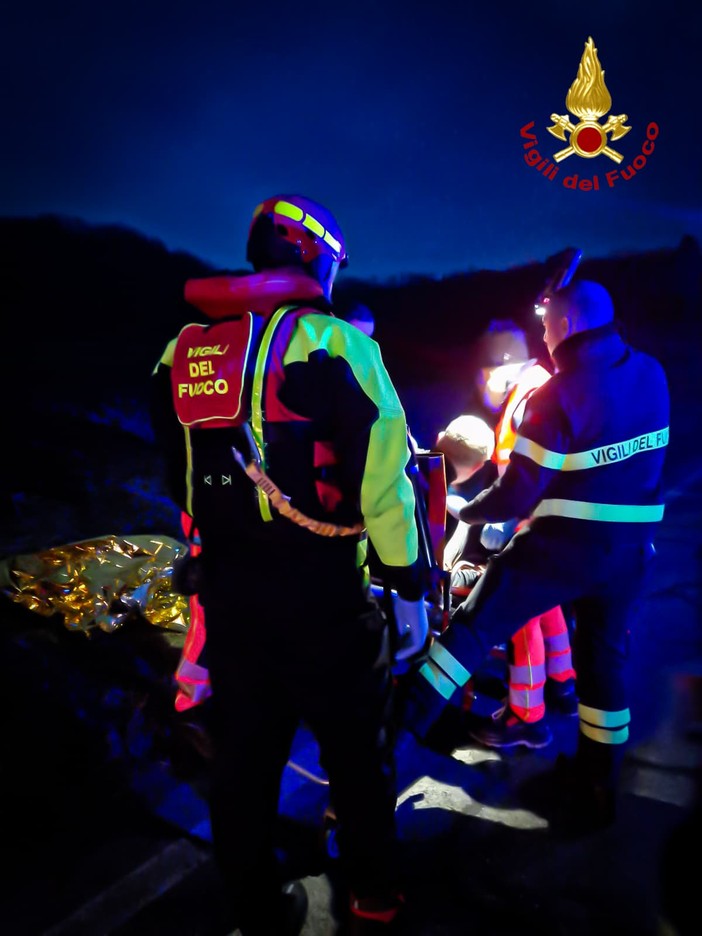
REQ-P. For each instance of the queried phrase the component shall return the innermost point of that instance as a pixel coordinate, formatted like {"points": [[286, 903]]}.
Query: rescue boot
{"points": [[572, 803], [504, 729], [586, 798], [585, 803]]}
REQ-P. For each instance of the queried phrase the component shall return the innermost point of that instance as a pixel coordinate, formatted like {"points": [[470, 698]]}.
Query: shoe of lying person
{"points": [[561, 696], [504, 729]]}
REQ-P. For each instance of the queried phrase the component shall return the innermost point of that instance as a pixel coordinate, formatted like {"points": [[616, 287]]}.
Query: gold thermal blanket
{"points": [[100, 583]]}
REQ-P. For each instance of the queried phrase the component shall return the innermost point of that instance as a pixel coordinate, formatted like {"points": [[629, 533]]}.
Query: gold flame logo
{"points": [[589, 99]]}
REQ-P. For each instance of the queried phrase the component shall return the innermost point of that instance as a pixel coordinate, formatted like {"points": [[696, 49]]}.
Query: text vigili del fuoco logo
{"points": [[588, 100]]}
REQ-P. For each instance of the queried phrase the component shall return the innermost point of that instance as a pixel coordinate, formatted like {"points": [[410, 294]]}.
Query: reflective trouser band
{"points": [[192, 672], [443, 672], [557, 644], [593, 458], [526, 698], [605, 735], [438, 680], [605, 727], [559, 663], [449, 664], [193, 685], [527, 675], [609, 513]]}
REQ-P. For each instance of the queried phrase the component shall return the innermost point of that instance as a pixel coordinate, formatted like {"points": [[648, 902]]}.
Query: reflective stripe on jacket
{"points": [[591, 446]]}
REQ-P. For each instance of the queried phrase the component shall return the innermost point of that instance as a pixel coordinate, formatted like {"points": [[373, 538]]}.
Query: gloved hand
{"points": [[495, 535], [412, 626], [454, 502]]}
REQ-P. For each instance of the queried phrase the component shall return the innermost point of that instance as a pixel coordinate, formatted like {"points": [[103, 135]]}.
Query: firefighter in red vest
{"points": [[286, 443]]}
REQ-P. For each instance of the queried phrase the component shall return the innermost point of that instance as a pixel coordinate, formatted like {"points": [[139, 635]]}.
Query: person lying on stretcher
{"points": [[537, 664]]}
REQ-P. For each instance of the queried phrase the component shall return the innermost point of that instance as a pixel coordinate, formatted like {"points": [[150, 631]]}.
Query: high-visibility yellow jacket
{"points": [[328, 426]]}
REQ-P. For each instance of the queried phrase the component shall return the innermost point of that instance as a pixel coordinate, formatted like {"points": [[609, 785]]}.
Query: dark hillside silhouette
{"points": [[89, 309]]}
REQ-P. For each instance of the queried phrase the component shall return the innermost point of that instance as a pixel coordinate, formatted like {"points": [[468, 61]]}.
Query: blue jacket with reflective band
{"points": [[589, 456]]}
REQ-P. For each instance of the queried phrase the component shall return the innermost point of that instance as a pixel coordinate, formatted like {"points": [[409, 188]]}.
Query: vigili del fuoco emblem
{"points": [[588, 99]]}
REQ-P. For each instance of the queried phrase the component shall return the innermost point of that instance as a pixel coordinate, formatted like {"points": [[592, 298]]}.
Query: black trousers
{"points": [[535, 572], [314, 650]]}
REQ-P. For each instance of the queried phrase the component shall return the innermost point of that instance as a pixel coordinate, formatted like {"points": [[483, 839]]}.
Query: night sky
{"points": [[177, 118]]}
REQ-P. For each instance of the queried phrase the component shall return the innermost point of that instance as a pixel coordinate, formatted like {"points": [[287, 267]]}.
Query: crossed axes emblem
{"points": [[614, 125]]}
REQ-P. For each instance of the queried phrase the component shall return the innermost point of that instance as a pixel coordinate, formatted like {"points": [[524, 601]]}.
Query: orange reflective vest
{"points": [[530, 379]]}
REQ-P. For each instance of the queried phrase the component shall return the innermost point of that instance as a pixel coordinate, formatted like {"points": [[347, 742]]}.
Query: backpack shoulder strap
{"points": [[265, 346]]}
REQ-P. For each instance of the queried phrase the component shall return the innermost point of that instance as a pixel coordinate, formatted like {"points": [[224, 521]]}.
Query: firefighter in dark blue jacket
{"points": [[587, 471], [286, 443]]}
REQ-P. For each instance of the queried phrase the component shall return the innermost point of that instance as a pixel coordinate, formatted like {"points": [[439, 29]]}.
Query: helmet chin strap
{"points": [[328, 280]]}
